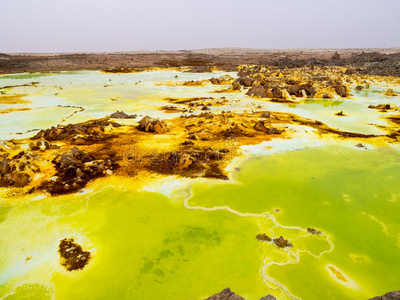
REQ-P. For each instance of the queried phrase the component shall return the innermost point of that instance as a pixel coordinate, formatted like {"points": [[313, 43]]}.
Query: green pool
{"points": [[147, 246]]}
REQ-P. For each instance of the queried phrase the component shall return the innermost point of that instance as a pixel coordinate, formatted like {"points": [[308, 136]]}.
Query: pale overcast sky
{"points": [[123, 25]]}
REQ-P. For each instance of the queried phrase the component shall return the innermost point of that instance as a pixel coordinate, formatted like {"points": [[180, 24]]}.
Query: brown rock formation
{"points": [[282, 243], [390, 93], [72, 255], [227, 294], [389, 296], [260, 126], [121, 115], [152, 125], [341, 90], [258, 91], [74, 169], [263, 237]]}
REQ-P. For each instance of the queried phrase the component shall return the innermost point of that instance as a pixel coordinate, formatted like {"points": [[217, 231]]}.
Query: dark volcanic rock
{"points": [[389, 296]]}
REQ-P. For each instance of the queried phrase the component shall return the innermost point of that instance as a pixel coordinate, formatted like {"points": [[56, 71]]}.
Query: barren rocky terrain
{"points": [[366, 61]]}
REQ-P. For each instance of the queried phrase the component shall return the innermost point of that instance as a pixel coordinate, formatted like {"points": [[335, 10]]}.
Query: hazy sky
{"points": [[122, 25]]}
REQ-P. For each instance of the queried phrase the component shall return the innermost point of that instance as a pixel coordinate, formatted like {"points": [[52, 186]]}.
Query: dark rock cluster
{"points": [[192, 163], [271, 82], [77, 133], [72, 255], [74, 170], [16, 171]]}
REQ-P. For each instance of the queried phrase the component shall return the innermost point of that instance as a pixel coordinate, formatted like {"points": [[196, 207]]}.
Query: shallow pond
{"points": [[146, 245]]}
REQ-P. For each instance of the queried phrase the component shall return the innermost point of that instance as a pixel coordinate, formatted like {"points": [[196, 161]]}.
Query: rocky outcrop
{"points": [[15, 172], [268, 297], [90, 130], [246, 81], [17, 179], [381, 107], [226, 79], [199, 162], [72, 255], [297, 90], [276, 92], [266, 115], [390, 93], [313, 231], [389, 296], [258, 91], [148, 124], [121, 115], [263, 237], [5, 167], [42, 146], [227, 294], [341, 90], [263, 91], [282, 243], [260, 126], [74, 170], [236, 86], [335, 56], [340, 113]]}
